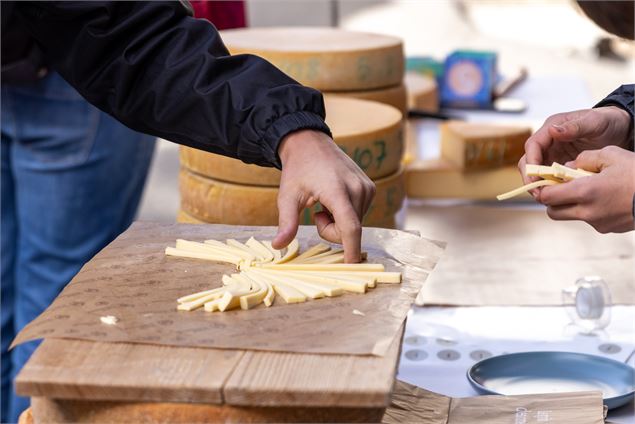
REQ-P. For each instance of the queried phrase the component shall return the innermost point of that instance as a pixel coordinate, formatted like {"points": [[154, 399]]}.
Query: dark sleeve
{"points": [[622, 98], [160, 71]]}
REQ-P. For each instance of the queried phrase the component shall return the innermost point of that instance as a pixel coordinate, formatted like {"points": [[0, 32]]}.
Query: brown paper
{"points": [[135, 282], [411, 404], [509, 256]]}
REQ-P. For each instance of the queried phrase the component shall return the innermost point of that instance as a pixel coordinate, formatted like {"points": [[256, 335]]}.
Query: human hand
{"points": [[315, 169], [605, 200], [565, 135]]}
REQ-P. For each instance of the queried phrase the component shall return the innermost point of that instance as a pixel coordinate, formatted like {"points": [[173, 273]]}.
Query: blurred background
{"points": [[550, 38]]}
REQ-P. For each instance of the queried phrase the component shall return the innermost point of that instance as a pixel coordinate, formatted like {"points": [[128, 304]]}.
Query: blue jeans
{"points": [[72, 178]]}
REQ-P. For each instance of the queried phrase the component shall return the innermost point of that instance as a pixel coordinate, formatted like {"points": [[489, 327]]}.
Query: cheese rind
{"points": [[327, 59], [218, 202], [422, 92], [395, 96]]}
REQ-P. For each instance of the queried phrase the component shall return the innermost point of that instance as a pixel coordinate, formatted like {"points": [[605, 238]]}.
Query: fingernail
{"points": [[558, 128]]}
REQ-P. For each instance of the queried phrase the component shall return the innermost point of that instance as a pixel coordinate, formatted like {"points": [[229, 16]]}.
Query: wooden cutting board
{"points": [[78, 369], [126, 370]]}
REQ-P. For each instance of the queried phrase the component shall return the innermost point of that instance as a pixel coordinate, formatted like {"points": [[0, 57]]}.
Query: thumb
{"points": [[288, 219], [589, 160], [575, 129]]}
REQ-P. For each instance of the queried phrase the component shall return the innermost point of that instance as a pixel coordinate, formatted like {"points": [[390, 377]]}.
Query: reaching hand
{"points": [[605, 200], [315, 169], [565, 135]]}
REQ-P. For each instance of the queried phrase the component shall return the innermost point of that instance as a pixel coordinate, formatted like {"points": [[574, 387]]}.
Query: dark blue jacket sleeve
{"points": [[622, 98], [160, 71]]}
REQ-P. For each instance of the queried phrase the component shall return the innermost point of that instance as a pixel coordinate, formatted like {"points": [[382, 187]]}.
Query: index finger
{"points": [[537, 144], [345, 228]]}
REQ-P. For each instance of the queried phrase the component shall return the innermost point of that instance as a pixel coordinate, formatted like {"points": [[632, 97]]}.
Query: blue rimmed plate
{"points": [[550, 372]]}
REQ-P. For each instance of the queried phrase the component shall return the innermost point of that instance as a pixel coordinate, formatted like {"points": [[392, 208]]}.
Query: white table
{"points": [[441, 344]]}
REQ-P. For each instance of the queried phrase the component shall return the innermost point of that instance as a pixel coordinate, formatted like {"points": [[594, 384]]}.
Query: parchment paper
{"points": [[412, 404], [134, 281], [514, 257]]}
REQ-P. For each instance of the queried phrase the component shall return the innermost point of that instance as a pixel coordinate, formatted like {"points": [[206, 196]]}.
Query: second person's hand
{"points": [[565, 135], [315, 169]]}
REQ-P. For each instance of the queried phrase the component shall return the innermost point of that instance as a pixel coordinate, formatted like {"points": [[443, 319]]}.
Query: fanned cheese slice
{"points": [[171, 251], [292, 252], [189, 306], [270, 295], [256, 246], [320, 256], [277, 254], [313, 251], [247, 256], [198, 295], [325, 267], [307, 290], [239, 245]]}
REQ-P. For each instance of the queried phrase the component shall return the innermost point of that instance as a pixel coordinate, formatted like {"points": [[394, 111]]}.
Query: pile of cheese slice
{"points": [[552, 175], [264, 272]]}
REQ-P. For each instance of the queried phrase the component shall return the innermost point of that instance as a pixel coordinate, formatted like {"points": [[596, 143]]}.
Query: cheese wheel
{"points": [[477, 146], [327, 59], [443, 180], [185, 218], [422, 92], [396, 96], [219, 202], [370, 133]]}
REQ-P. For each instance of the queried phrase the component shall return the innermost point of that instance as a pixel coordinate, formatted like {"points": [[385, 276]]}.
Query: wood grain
{"points": [[270, 378], [78, 411], [77, 369], [123, 371]]}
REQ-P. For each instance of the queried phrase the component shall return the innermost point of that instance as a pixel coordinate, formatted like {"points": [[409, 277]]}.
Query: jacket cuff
{"points": [[286, 124], [622, 98]]}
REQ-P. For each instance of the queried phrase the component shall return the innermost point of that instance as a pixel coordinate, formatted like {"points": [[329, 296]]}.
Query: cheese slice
{"points": [[320, 256], [270, 295], [195, 304], [380, 277], [205, 248], [472, 146], [277, 254], [242, 246], [171, 251], [198, 295], [337, 258], [228, 301], [306, 289], [318, 249], [262, 250], [525, 188], [246, 256], [292, 252], [325, 267], [346, 283], [288, 294], [250, 300], [327, 59]]}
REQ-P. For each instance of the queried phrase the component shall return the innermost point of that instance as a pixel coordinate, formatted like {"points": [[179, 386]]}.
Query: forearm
{"points": [[162, 72]]}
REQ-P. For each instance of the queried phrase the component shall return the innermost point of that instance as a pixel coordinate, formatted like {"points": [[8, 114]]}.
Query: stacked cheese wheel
{"points": [[343, 64]]}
